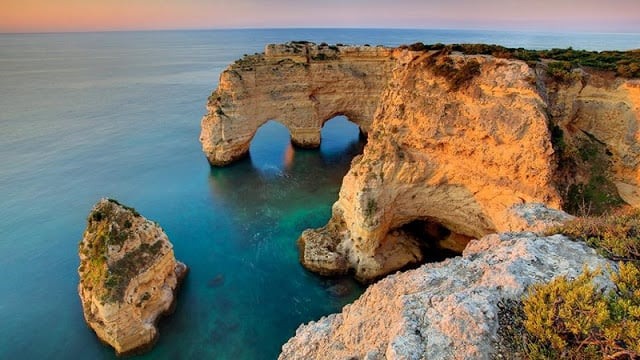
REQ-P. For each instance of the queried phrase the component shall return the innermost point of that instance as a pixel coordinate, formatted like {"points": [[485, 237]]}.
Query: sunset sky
{"points": [[92, 15]]}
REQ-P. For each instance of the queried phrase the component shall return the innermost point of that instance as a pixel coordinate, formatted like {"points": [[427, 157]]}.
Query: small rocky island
{"points": [[128, 276]]}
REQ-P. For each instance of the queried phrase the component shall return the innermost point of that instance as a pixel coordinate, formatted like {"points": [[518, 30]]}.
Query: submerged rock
{"points": [[218, 280], [446, 310], [128, 276]]}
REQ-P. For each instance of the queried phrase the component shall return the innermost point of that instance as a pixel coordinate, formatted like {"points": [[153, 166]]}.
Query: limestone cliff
{"points": [[455, 142], [446, 310], [128, 276]]}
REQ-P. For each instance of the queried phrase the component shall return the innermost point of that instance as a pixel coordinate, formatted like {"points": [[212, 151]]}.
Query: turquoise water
{"points": [[84, 116]]}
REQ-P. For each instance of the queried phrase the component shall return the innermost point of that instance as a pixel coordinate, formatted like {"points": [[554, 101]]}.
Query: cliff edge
{"points": [[128, 277]]}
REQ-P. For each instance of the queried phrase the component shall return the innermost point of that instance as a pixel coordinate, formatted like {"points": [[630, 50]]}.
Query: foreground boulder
{"points": [[445, 310], [128, 276]]}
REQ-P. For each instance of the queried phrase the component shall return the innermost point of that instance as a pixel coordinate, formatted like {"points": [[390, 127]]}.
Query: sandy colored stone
{"points": [[607, 110], [118, 242], [446, 310]]}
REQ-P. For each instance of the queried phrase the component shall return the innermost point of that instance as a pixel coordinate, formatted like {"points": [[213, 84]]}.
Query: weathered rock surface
{"points": [[444, 310], [449, 161], [128, 276]]}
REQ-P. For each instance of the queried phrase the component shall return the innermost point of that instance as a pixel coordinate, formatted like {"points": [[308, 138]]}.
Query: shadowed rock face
{"points": [[455, 141], [300, 85], [605, 110], [128, 277]]}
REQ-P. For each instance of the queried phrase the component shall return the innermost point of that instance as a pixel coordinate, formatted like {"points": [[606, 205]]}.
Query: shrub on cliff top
{"points": [[561, 71], [574, 319], [467, 72], [623, 63], [417, 47], [615, 236], [443, 66]]}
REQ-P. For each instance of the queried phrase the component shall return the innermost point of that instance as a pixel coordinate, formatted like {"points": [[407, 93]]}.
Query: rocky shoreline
{"points": [[446, 310]]}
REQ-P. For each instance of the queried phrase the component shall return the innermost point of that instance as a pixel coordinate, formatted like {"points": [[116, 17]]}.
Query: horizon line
{"points": [[249, 28]]}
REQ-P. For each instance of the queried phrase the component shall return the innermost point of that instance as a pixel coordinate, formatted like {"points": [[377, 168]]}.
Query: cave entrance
{"points": [[437, 242]]}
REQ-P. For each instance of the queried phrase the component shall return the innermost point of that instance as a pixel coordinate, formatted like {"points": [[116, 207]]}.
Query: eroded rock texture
{"points": [[598, 118], [458, 158], [447, 310], [128, 277]]}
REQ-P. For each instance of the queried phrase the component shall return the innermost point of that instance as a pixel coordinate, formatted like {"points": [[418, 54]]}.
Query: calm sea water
{"points": [[84, 116]]}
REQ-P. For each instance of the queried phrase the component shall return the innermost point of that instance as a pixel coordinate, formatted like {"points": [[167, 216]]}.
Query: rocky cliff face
{"points": [[447, 310], [456, 159], [455, 142], [596, 113], [128, 276]]}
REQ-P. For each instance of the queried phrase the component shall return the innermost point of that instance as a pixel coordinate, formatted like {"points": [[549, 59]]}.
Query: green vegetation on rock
{"points": [[457, 76], [623, 63], [596, 194], [615, 236], [579, 319], [561, 71], [108, 226], [120, 273], [574, 319]]}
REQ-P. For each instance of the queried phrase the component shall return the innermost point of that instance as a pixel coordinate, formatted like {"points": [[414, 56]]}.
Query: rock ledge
{"points": [[446, 310]]}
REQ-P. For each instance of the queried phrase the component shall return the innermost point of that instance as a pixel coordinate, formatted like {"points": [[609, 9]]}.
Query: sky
{"points": [[108, 15]]}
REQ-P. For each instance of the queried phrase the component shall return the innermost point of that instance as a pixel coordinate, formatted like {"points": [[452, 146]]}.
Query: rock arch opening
{"points": [[303, 92], [341, 137], [270, 147]]}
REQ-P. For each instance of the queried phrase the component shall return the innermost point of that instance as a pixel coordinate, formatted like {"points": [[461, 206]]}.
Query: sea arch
{"points": [[301, 92]]}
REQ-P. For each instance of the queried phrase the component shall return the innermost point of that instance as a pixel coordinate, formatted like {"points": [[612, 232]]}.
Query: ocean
{"points": [[89, 115]]}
